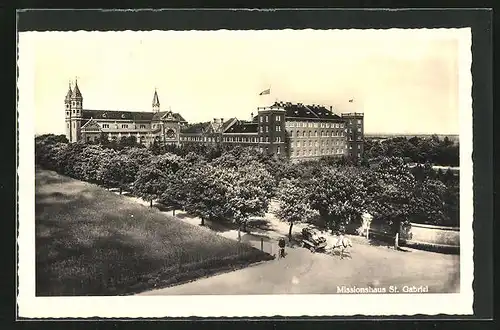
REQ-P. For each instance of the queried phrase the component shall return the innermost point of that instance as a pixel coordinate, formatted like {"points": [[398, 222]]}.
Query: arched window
{"points": [[304, 134]]}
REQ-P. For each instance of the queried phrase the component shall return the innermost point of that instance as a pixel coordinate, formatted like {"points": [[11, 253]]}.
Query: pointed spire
{"points": [[156, 100], [76, 91], [68, 95]]}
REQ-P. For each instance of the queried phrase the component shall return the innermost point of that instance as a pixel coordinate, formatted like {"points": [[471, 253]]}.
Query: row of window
{"points": [[358, 121], [315, 152], [246, 139], [123, 126], [199, 138], [266, 129], [314, 125], [315, 134], [316, 144], [266, 118]]}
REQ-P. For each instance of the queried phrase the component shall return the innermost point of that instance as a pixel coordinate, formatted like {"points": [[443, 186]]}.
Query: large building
{"points": [[297, 131]]}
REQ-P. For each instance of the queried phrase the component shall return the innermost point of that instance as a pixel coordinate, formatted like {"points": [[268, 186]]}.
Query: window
{"points": [[124, 126], [261, 129], [278, 139], [359, 121], [267, 129], [316, 133], [88, 138], [105, 125], [260, 149], [310, 124], [350, 147], [327, 125], [278, 150], [74, 125], [278, 128], [310, 143], [261, 119], [261, 139], [303, 133], [359, 129], [316, 144], [267, 119], [143, 126], [73, 111], [278, 118], [267, 138], [322, 133]]}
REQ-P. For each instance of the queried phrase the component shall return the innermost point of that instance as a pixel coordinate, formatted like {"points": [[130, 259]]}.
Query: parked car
{"points": [[313, 239]]}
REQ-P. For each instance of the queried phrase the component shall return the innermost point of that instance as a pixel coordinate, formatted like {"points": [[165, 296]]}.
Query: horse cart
{"points": [[313, 239]]}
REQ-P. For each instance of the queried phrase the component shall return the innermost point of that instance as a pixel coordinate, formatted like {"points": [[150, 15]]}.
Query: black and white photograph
{"points": [[245, 173]]}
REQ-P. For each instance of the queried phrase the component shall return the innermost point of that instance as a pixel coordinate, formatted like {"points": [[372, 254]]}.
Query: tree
{"points": [[116, 171], [149, 183], [90, 162], [249, 190], [206, 197], [393, 202], [339, 195], [294, 205], [427, 202]]}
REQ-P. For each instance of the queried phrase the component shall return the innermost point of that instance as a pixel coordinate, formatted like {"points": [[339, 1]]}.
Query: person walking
{"points": [[281, 244]]}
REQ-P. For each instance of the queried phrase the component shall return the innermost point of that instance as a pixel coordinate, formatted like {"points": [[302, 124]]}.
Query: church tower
{"points": [[76, 100], [67, 111], [156, 102]]}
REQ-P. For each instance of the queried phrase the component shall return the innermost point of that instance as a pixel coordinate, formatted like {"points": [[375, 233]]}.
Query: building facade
{"points": [[145, 126], [296, 131]]}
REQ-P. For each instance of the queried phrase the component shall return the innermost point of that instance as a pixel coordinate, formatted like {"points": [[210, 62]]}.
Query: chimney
{"points": [[222, 120], [331, 109], [251, 116], [215, 120]]}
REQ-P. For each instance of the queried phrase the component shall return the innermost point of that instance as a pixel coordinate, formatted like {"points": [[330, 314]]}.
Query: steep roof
{"points": [[197, 128], [243, 127], [76, 91], [128, 115], [300, 110], [228, 124], [70, 92], [156, 100]]}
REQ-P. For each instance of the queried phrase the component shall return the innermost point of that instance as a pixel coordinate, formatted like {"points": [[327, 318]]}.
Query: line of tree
{"points": [[239, 183], [416, 149]]}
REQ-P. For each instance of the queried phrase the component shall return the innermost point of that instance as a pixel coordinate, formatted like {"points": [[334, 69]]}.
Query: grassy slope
{"points": [[92, 242]]}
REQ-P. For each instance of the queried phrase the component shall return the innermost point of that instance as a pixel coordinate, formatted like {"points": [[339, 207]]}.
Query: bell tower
{"points": [[67, 111], [156, 102], [76, 105]]}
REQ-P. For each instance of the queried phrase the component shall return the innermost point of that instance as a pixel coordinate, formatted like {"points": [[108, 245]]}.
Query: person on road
{"points": [[343, 243], [281, 244]]}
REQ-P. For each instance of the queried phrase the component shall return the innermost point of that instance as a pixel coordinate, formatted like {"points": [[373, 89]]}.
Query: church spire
{"points": [[76, 91], [68, 95], [156, 102]]}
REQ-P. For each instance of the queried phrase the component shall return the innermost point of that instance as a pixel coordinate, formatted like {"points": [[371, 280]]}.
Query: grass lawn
{"points": [[93, 242]]}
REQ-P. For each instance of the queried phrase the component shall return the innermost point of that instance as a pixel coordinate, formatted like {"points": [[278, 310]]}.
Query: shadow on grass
{"points": [[99, 244]]}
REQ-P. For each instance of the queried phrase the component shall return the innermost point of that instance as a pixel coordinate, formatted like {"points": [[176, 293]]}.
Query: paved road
{"points": [[304, 272]]}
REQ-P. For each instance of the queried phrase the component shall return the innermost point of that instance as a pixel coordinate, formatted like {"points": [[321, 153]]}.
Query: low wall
{"points": [[436, 235], [419, 235]]}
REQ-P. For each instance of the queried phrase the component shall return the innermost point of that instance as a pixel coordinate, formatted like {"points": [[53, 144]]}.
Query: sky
{"points": [[405, 81]]}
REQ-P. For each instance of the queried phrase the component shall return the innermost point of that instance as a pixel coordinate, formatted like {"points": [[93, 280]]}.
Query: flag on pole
{"points": [[266, 92]]}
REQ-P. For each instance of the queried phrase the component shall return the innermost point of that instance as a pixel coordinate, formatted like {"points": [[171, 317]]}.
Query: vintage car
{"points": [[313, 239]]}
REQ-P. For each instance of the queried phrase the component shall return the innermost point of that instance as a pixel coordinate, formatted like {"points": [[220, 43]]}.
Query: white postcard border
{"points": [[30, 306]]}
